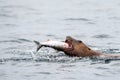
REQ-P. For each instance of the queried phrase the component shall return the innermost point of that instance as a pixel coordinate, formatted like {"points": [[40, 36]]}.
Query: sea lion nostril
{"points": [[68, 41]]}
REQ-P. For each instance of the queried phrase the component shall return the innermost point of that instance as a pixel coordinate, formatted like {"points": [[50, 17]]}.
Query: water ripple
{"points": [[111, 50], [40, 58], [77, 19], [16, 59], [102, 36], [46, 73], [15, 40], [24, 40], [53, 59]]}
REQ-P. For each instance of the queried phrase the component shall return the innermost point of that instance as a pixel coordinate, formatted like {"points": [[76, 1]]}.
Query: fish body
{"points": [[58, 45]]}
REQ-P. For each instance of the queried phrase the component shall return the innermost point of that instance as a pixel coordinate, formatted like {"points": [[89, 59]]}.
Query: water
{"points": [[94, 22]]}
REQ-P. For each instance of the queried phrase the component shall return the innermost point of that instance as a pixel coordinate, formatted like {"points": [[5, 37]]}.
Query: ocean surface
{"points": [[95, 22]]}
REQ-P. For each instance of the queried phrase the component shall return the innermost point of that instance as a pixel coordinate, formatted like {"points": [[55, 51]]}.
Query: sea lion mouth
{"points": [[69, 42]]}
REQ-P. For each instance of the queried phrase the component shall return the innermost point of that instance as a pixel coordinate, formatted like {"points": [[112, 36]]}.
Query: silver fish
{"points": [[58, 45]]}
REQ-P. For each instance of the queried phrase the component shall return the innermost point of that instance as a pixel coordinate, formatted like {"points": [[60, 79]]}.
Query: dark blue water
{"points": [[97, 23]]}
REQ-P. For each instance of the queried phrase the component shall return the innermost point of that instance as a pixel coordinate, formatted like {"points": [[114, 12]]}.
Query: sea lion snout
{"points": [[69, 41], [68, 37]]}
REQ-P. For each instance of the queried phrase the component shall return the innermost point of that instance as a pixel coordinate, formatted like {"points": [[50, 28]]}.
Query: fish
{"points": [[58, 45]]}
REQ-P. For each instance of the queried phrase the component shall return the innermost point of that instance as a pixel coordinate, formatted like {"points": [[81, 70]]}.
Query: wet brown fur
{"points": [[80, 49]]}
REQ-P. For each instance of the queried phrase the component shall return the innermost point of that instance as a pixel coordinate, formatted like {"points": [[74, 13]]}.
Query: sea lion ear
{"points": [[79, 41]]}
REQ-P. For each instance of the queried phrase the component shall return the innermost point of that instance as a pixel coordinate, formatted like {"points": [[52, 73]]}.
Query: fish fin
{"points": [[38, 45]]}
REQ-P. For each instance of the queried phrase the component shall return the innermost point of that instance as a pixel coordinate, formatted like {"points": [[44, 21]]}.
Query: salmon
{"points": [[58, 45]]}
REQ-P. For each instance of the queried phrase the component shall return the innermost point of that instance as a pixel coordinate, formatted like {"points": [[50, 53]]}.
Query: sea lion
{"points": [[79, 49]]}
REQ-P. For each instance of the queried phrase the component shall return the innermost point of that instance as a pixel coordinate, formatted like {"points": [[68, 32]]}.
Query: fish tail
{"points": [[38, 45]]}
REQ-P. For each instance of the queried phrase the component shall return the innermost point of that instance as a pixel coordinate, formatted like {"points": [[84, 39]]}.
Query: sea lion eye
{"points": [[89, 49], [79, 41]]}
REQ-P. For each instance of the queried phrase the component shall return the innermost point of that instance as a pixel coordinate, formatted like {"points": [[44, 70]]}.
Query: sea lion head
{"points": [[76, 48]]}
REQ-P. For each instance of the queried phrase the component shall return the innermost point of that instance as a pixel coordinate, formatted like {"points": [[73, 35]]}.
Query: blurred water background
{"points": [[95, 22]]}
